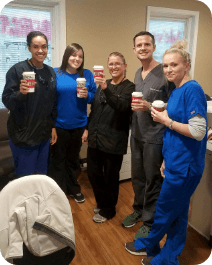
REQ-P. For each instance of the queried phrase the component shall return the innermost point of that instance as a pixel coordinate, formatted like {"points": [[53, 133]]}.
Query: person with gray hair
{"points": [[184, 148]]}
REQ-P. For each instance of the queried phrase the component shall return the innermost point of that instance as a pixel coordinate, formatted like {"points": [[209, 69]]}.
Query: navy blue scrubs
{"points": [[184, 164]]}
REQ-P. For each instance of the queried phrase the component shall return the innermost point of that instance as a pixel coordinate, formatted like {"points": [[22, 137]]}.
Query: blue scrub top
{"points": [[181, 153]]}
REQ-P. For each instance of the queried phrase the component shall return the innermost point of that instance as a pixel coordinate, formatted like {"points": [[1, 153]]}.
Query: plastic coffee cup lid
{"points": [[98, 67], [158, 104], [81, 79], [29, 73], [137, 94]]}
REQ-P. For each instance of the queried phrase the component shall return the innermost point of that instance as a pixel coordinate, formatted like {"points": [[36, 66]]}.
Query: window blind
{"points": [[15, 24], [165, 32]]}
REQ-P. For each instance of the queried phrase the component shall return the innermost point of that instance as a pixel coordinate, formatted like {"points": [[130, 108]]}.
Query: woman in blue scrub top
{"points": [[184, 147], [71, 120]]}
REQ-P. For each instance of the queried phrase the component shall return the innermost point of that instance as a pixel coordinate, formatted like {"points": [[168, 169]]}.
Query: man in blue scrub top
{"points": [[146, 135]]}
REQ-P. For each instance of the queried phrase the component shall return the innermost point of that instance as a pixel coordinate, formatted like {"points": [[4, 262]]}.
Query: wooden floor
{"points": [[103, 244]]}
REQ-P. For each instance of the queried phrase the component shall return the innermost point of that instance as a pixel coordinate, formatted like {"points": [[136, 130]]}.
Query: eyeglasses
{"points": [[43, 81], [102, 97], [110, 65]]}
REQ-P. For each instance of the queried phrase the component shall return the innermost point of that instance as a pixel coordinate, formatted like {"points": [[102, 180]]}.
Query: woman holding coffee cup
{"points": [[107, 135], [75, 89], [184, 147], [30, 96]]}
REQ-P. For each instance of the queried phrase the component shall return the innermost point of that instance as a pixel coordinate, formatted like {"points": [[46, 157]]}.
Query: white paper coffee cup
{"points": [[98, 71], [80, 84], [159, 105], [30, 78], [137, 96]]}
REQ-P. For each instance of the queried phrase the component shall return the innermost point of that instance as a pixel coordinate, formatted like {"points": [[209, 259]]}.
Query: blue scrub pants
{"points": [[30, 160], [171, 218]]}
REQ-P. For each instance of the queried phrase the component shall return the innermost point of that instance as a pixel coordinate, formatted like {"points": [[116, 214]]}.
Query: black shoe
{"points": [[146, 261], [79, 197], [131, 249]]}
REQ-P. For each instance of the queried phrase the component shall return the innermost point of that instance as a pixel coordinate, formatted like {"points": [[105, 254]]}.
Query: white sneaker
{"points": [[99, 219]]}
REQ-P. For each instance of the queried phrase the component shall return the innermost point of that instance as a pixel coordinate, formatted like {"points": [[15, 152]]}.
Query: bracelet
{"points": [[170, 124], [150, 105]]}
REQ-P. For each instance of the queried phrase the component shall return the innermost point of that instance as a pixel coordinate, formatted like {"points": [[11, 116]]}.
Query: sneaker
{"points": [[142, 232], [146, 261], [131, 249], [131, 219], [96, 210], [99, 219], [79, 197]]}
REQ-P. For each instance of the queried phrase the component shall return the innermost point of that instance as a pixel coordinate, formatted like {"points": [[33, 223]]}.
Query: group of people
{"points": [[167, 148]]}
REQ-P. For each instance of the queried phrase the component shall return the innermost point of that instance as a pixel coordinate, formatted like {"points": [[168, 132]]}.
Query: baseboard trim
{"points": [[199, 232]]}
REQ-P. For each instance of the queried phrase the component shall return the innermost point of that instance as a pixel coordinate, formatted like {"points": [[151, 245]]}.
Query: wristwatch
{"points": [[150, 105], [170, 124]]}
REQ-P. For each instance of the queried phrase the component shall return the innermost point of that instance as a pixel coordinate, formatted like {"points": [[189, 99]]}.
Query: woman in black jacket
{"points": [[32, 115], [107, 135]]}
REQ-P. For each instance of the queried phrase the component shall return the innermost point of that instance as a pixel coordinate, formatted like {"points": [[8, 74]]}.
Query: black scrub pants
{"points": [[103, 173], [146, 160], [64, 163]]}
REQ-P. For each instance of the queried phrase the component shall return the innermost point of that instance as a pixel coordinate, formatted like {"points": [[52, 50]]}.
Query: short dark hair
{"points": [[70, 49], [34, 34], [144, 33]]}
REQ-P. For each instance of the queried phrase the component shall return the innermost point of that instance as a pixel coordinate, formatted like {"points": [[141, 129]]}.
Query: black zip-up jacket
{"points": [[108, 124], [32, 116]]}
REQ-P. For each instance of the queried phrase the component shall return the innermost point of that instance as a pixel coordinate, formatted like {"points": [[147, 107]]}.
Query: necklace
{"points": [[38, 68], [119, 82]]}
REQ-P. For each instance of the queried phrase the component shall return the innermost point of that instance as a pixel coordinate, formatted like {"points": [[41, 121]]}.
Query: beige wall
{"points": [[104, 26]]}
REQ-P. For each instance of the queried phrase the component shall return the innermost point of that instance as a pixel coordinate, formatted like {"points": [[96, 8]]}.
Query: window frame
{"points": [[58, 23], [191, 18]]}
